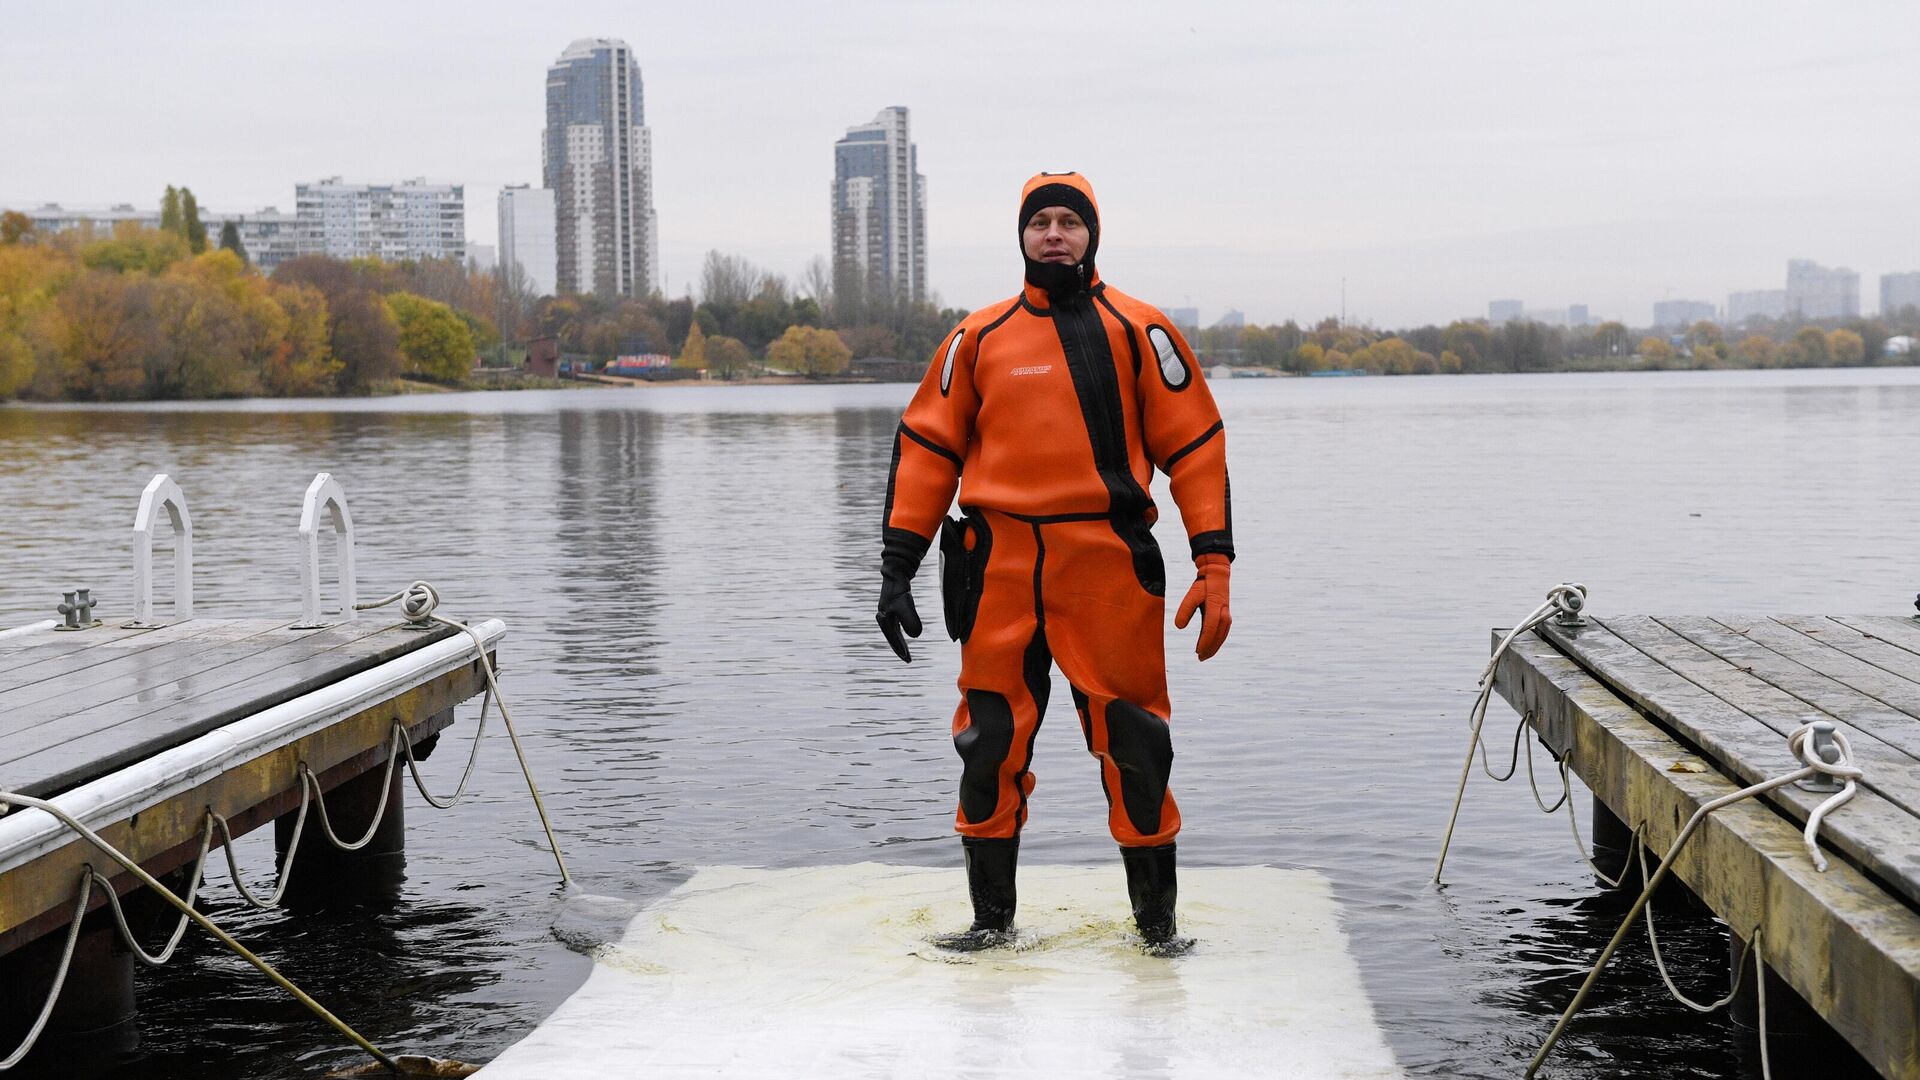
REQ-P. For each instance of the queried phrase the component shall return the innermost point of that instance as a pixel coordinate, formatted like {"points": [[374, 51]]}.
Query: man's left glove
{"points": [[899, 620], [1208, 595]]}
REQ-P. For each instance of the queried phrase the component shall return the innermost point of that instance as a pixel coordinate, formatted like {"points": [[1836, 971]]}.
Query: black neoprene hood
{"points": [[1057, 279]]}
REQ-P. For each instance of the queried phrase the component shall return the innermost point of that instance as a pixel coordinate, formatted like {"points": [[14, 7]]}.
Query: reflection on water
{"points": [[688, 577]]}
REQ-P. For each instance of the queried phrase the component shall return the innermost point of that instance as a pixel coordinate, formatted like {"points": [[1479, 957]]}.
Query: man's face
{"points": [[1055, 234]]}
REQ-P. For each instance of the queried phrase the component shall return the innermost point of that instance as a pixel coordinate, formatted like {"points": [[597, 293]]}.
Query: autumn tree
{"points": [[1261, 346], [99, 331], [1611, 338], [15, 228], [1812, 347], [435, 342], [361, 333], [1308, 358], [133, 249], [810, 350], [693, 354], [725, 354], [1656, 352], [1846, 348], [1754, 350]]}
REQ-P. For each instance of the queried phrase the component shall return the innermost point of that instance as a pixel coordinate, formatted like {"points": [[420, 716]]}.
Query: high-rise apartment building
{"points": [[879, 211], [392, 222], [1756, 303], [527, 236], [269, 236], [1899, 291], [1680, 314], [597, 159], [1819, 292], [1504, 311]]}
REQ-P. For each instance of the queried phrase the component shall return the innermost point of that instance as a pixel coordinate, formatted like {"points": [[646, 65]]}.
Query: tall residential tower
{"points": [[526, 236], [879, 211], [597, 159]]}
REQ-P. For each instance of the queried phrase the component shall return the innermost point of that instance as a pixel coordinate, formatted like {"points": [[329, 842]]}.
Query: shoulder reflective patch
{"points": [[946, 369], [1173, 369]]}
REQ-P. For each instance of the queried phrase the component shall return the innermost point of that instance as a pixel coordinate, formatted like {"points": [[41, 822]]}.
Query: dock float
{"points": [[148, 730], [827, 972], [1660, 715]]}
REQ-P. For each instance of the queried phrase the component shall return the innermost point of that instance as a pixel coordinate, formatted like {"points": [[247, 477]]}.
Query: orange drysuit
{"points": [[1049, 413]]}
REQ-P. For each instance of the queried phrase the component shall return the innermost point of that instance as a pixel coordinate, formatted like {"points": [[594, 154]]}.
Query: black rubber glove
{"points": [[900, 556]]}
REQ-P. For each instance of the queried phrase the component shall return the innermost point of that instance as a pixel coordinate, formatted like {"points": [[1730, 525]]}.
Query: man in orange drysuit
{"points": [[1049, 411]]}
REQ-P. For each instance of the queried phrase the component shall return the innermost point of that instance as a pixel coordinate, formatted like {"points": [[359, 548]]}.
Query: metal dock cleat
{"points": [[78, 609]]}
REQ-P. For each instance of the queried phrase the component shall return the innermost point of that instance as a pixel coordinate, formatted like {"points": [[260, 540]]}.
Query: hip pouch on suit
{"points": [[963, 573]]}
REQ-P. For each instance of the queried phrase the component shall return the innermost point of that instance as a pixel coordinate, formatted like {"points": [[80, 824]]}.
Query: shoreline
{"points": [[416, 389]]}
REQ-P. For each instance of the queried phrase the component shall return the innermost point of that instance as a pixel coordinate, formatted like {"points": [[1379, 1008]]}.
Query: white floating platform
{"points": [[826, 972]]}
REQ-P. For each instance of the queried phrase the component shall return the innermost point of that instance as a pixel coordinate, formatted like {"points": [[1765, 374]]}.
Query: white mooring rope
{"points": [[417, 603], [186, 909], [1565, 600], [1800, 741]]}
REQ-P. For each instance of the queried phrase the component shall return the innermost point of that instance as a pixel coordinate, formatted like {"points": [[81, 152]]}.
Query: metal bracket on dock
{"points": [[1569, 600], [325, 494], [1828, 751], [78, 610], [162, 492]]}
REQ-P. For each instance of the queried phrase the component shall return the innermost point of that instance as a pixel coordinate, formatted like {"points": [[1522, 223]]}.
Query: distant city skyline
{"points": [[1530, 170]]}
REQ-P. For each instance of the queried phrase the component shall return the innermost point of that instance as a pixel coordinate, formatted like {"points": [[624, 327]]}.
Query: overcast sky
{"points": [[1432, 155]]}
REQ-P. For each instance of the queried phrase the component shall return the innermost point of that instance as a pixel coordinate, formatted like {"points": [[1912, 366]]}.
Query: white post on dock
{"points": [[162, 492], [326, 494]]}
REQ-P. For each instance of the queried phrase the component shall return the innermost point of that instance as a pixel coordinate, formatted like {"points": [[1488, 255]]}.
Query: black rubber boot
{"points": [[1153, 887], [990, 871]]}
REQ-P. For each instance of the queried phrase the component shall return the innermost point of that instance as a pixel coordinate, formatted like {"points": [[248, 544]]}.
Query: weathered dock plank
{"points": [[1903, 632], [1810, 686], [46, 663], [1879, 828], [1863, 646], [167, 713], [1897, 687], [1846, 945], [99, 675]]}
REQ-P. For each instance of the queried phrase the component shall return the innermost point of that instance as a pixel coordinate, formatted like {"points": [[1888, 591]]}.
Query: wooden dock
{"points": [[1662, 714], [143, 730]]}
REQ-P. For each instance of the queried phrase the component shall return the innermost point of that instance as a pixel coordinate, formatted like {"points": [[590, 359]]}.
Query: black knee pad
{"points": [[1141, 745], [983, 745]]}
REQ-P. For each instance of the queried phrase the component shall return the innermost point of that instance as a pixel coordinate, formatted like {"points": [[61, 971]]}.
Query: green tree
{"points": [[15, 228], [190, 226], [170, 212], [725, 354], [434, 340], [230, 240]]}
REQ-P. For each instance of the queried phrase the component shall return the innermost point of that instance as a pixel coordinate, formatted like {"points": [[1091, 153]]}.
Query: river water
{"points": [[688, 576]]}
